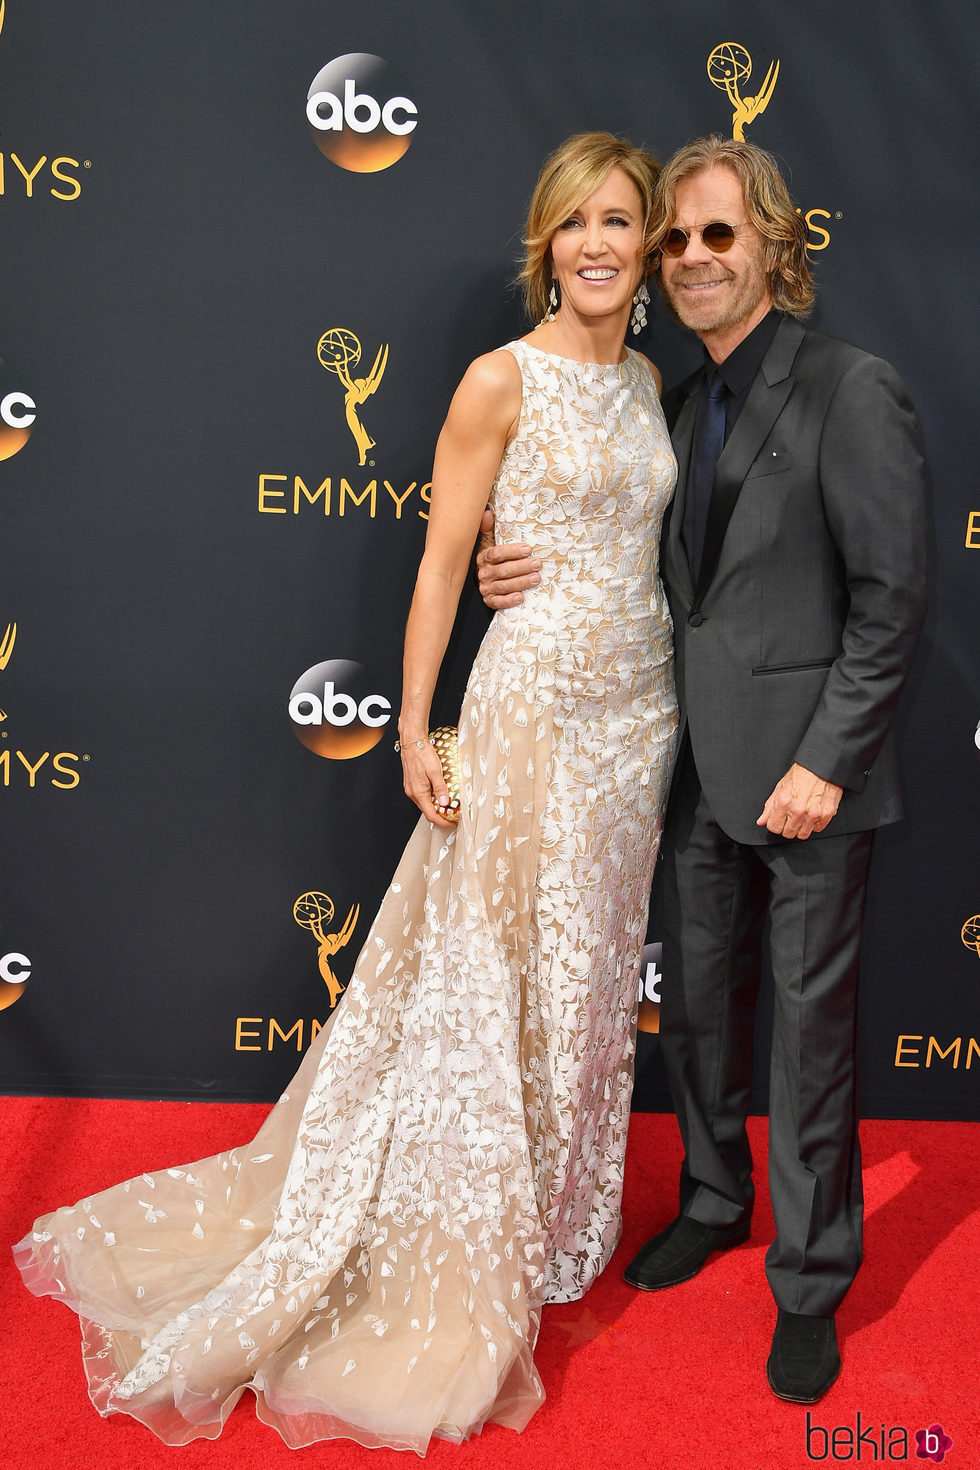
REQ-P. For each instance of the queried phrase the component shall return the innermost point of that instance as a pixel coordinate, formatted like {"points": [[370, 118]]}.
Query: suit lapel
{"points": [[765, 402]]}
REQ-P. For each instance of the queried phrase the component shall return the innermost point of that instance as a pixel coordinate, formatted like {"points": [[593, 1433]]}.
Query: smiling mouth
{"points": [[693, 280], [603, 273]]}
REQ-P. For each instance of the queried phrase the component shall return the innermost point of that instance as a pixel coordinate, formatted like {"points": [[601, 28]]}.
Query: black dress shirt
{"points": [[737, 371], [739, 368]]}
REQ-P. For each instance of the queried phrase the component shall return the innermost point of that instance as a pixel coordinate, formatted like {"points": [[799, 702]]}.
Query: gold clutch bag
{"points": [[445, 743]]}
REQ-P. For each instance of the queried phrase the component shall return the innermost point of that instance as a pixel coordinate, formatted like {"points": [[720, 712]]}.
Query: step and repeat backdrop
{"points": [[248, 251]]}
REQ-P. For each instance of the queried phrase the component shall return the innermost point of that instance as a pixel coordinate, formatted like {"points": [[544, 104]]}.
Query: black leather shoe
{"points": [[805, 1359], [679, 1252]]}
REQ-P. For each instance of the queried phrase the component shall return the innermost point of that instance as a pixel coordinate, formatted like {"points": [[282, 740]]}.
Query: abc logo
{"points": [[17, 413], [651, 975], [357, 116], [335, 712], [15, 971]]}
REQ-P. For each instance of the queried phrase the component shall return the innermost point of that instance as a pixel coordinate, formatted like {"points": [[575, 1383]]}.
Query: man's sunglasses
{"points": [[718, 238]]}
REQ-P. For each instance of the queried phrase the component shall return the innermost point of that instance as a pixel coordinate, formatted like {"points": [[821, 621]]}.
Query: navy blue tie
{"points": [[707, 451]]}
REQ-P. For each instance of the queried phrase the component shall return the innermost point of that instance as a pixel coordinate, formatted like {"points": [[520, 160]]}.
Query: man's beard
{"points": [[749, 290]]}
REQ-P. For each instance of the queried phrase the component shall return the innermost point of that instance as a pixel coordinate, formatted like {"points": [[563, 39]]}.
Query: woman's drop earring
{"points": [[641, 300]]}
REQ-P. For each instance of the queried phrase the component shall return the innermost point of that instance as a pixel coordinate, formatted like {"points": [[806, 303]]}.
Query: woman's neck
{"points": [[584, 339]]}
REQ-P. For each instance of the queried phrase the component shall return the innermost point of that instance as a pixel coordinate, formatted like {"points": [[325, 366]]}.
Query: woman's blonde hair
{"points": [[767, 203], [574, 171]]}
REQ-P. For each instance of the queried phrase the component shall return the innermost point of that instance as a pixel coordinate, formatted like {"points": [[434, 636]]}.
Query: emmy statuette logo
{"points": [[729, 67], [970, 934], [338, 350], [367, 491], [730, 64], [314, 911]]}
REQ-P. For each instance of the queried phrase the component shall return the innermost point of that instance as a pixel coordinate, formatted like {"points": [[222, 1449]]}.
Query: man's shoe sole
{"points": [[725, 1245]]}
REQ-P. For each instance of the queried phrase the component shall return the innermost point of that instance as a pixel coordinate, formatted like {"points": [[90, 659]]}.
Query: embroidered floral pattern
{"points": [[450, 1154]]}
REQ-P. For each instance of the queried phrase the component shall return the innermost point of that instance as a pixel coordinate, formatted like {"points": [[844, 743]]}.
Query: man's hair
{"points": [[767, 203], [574, 171]]}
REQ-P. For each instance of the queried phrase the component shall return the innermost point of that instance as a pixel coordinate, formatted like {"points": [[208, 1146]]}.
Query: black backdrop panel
{"points": [[225, 359]]}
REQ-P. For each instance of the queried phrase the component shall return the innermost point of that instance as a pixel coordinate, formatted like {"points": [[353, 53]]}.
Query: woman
{"points": [[450, 1154]]}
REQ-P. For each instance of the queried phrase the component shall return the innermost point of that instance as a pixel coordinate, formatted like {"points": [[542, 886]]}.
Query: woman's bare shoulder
{"points": [[490, 388]]}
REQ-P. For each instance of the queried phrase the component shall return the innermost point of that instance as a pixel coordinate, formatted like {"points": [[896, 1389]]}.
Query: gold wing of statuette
{"points": [[766, 90], [10, 637], [377, 372], [332, 943]]}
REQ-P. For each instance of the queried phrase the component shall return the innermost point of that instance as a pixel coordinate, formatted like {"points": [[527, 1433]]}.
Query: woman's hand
{"points": [[423, 780]]}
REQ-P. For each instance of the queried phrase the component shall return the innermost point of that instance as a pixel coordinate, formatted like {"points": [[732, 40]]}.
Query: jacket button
{"points": [[696, 619]]}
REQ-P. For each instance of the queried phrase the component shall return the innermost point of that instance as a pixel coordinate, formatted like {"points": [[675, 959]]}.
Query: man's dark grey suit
{"points": [[792, 645]]}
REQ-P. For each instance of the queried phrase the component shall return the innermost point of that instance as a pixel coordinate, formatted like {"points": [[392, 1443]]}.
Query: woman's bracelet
{"points": [[418, 743]]}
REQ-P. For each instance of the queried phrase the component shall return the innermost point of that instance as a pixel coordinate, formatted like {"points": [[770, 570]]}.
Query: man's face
{"points": [[721, 297]]}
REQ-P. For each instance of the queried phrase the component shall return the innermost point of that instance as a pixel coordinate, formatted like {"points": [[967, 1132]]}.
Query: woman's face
{"points": [[597, 252]]}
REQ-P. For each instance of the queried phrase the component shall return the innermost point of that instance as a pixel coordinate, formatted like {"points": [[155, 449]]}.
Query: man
{"points": [[794, 564]]}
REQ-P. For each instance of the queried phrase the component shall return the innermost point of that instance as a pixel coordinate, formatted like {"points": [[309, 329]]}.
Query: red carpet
{"points": [[667, 1381]]}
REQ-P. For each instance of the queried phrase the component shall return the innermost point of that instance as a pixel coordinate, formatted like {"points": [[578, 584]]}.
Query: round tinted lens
{"points": [[718, 238], [674, 242]]}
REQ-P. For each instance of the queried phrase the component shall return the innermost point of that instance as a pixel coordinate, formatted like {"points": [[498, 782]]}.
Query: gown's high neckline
{"points": [[574, 361]]}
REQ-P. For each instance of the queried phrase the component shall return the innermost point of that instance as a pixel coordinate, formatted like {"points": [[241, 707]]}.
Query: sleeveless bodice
{"points": [[585, 481]]}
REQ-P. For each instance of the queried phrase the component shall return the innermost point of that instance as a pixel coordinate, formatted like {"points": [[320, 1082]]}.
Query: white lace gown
{"points": [[449, 1155]]}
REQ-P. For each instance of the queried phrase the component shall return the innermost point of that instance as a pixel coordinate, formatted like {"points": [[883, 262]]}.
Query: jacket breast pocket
{"points": [[800, 668], [770, 462]]}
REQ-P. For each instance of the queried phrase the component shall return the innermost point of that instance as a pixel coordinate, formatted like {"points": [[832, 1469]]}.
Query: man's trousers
{"points": [[718, 896]]}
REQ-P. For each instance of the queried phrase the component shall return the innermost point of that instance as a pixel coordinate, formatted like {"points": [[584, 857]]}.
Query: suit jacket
{"points": [[796, 641]]}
